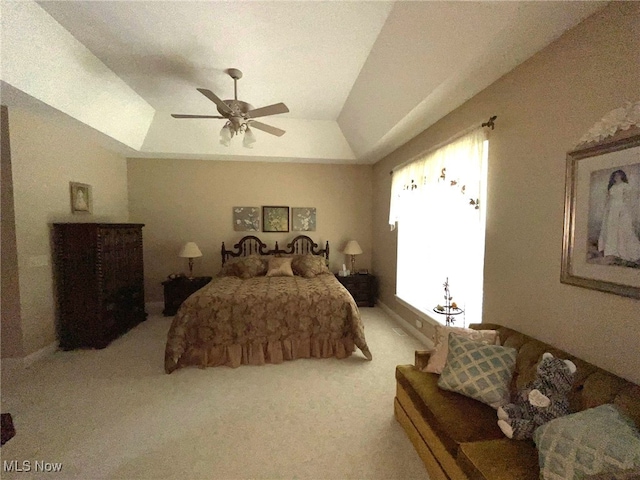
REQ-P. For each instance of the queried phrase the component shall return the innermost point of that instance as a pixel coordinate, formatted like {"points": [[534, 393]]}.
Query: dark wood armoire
{"points": [[99, 281]]}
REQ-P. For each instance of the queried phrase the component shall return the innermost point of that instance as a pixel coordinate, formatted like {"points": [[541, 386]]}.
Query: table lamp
{"points": [[190, 251], [353, 249]]}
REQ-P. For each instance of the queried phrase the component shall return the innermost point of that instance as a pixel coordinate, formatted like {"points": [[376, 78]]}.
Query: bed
{"points": [[242, 318]]}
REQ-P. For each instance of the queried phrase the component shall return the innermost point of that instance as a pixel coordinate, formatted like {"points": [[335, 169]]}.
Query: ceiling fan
{"points": [[240, 115]]}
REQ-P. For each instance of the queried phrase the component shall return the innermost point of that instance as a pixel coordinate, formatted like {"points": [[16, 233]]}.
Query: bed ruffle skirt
{"points": [[261, 353]]}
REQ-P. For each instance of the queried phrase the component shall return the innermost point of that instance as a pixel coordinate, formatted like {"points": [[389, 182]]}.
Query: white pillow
{"points": [[438, 357]]}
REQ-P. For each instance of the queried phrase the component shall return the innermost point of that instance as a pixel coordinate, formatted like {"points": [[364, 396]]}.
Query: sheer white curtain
{"points": [[438, 203]]}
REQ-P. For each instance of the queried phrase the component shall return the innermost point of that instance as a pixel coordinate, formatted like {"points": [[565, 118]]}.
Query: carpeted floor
{"points": [[114, 413]]}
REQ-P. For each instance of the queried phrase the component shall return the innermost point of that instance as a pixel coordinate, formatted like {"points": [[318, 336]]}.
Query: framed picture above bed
{"points": [[246, 219], [303, 219], [275, 219], [601, 243]]}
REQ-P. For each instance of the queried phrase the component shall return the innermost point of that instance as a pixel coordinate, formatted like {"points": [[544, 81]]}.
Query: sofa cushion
{"points": [[478, 370], [501, 459], [454, 418], [592, 441]]}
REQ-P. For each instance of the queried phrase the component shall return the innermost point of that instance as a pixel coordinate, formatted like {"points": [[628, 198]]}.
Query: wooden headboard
{"points": [[303, 245], [249, 245], [252, 245]]}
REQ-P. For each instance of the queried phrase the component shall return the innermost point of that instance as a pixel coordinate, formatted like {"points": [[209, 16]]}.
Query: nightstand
{"points": [[177, 290], [363, 288]]}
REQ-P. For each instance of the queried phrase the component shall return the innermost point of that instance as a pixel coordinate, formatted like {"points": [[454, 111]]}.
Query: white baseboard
{"points": [[12, 367], [406, 325], [154, 308], [40, 354]]}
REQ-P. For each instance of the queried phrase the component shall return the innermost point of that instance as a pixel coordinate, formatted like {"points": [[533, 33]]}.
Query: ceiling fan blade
{"points": [[268, 110], [178, 115], [266, 128], [212, 96]]}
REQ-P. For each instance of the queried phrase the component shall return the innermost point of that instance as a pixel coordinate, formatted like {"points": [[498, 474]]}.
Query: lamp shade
{"points": [[352, 248], [190, 250]]}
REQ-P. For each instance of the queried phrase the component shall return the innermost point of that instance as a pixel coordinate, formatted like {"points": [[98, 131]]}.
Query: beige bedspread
{"points": [[264, 320]]}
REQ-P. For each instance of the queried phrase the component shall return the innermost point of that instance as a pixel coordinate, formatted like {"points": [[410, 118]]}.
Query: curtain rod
{"points": [[490, 124]]}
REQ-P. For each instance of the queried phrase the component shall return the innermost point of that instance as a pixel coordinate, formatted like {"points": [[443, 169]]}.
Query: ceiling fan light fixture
{"points": [[249, 138], [225, 135]]}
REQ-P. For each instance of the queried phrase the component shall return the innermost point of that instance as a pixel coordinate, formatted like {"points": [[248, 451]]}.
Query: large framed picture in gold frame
{"points": [[601, 241]]}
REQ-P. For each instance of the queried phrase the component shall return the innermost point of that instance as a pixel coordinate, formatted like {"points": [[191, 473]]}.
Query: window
{"points": [[438, 205]]}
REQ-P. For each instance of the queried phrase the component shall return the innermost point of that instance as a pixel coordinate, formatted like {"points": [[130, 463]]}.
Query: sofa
{"points": [[458, 437]]}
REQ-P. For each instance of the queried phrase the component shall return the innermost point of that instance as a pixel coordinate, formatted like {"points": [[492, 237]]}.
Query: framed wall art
{"points": [[303, 219], [81, 200], [246, 219], [275, 219], [601, 242]]}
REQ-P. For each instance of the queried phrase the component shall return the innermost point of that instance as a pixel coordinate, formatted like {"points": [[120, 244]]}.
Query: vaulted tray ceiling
{"points": [[359, 78]]}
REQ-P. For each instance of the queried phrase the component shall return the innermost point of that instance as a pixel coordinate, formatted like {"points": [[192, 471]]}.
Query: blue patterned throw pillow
{"points": [[593, 441], [479, 371]]}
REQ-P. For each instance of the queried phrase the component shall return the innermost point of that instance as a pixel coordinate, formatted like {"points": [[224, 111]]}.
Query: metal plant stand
{"points": [[449, 309]]}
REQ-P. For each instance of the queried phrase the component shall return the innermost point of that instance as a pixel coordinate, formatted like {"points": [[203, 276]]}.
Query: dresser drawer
{"points": [[360, 288]]}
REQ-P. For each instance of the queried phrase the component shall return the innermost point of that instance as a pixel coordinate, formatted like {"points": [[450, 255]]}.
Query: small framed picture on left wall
{"points": [[81, 199]]}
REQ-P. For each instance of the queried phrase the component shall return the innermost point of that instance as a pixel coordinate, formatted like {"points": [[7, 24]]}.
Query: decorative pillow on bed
{"points": [[479, 371], [438, 357], [593, 441], [280, 267], [309, 266], [230, 268], [244, 267]]}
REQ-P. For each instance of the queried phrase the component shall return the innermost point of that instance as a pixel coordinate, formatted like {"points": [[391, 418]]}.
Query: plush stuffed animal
{"points": [[541, 401]]}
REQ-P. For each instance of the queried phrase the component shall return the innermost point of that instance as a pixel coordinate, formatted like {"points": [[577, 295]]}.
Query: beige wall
{"points": [[543, 108], [47, 153], [192, 200], [11, 333]]}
